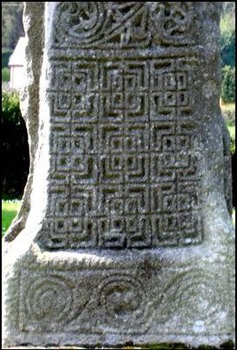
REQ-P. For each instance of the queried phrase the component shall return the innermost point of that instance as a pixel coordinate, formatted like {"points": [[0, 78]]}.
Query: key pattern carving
{"points": [[124, 169], [124, 160]]}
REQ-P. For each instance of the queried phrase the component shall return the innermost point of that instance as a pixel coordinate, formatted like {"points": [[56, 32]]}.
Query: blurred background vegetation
{"points": [[12, 28]]}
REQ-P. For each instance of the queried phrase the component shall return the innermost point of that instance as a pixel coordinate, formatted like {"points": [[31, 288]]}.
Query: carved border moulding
{"points": [[127, 25], [124, 162]]}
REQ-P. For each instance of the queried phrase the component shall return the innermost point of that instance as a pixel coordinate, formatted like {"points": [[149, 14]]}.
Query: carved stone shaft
{"points": [[129, 236]]}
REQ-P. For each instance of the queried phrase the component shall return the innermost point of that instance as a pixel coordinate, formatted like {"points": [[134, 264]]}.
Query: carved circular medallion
{"points": [[49, 299], [170, 20], [79, 19], [122, 297]]}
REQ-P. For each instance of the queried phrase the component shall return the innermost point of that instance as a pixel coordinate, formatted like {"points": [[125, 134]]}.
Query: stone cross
{"points": [[129, 237]]}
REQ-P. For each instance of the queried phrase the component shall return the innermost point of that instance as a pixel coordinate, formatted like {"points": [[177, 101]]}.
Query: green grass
{"points": [[231, 130], [226, 346], [9, 211]]}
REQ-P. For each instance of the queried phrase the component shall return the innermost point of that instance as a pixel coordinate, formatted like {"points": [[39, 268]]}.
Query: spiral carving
{"points": [[79, 19], [121, 24], [49, 299], [193, 293], [122, 297], [170, 20]]}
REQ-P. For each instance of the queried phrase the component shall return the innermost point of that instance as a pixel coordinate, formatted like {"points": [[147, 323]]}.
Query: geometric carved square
{"points": [[170, 83], [122, 92], [124, 160], [115, 167], [131, 231]]}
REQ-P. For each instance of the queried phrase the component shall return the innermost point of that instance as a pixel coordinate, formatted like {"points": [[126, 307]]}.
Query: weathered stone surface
{"points": [[34, 30], [128, 238]]}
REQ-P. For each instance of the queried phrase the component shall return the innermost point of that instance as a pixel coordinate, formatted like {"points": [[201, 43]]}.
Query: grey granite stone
{"points": [[129, 238], [34, 30]]}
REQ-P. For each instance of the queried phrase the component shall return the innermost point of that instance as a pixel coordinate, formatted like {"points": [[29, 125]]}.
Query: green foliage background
{"points": [[5, 74], [12, 26], [228, 84], [5, 57], [227, 34], [14, 147]]}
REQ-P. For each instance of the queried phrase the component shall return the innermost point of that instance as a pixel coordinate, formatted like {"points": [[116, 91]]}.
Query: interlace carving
{"points": [[121, 24]]}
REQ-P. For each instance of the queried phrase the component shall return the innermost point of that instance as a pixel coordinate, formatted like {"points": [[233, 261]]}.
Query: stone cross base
{"points": [[114, 298]]}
